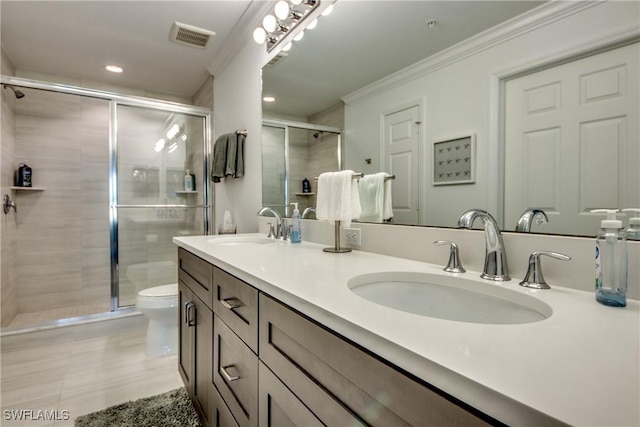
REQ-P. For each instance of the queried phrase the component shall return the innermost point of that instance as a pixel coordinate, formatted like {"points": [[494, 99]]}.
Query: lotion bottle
{"points": [[296, 235], [611, 261]]}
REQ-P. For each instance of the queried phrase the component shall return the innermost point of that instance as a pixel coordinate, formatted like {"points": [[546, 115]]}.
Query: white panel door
{"points": [[401, 142], [571, 141]]}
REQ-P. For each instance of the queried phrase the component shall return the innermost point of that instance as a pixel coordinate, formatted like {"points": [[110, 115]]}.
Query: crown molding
{"points": [[513, 28], [240, 35]]}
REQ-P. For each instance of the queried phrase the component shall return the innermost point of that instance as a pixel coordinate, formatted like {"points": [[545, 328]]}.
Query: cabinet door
{"points": [[202, 385], [235, 374], [187, 336], [278, 407]]}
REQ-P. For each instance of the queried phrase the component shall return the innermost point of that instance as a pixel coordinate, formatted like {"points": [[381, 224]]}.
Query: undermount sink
{"points": [[449, 298], [241, 240]]}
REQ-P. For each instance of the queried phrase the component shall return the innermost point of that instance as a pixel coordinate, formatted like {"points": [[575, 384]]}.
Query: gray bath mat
{"points": [[169, 409]]}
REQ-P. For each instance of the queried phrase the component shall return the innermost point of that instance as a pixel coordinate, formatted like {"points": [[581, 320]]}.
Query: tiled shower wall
{"points": [[62, 238]]}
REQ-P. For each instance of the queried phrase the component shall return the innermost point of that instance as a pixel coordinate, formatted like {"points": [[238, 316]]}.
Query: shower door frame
{"points": [[116, 99]]}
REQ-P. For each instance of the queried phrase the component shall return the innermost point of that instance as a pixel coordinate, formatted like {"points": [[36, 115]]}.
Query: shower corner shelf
{"points": [[305, 194], [186, 192], [13, 187]]}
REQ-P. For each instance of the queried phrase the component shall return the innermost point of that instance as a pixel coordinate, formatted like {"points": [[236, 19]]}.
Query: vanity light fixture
{"points": [[114, 68], [287, 15]]}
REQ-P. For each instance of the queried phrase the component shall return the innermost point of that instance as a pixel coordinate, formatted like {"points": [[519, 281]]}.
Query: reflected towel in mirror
{"points": [[375, 197]]}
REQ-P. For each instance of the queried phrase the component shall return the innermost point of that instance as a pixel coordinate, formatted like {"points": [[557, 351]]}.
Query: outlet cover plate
{"points": [[352, 236]]}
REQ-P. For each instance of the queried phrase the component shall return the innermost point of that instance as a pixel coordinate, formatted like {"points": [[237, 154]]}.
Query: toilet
{"points": [[160, 305]]}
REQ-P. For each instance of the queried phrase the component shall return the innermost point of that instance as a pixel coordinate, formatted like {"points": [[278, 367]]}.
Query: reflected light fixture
{"points": [[268, 98], [286, 16]]}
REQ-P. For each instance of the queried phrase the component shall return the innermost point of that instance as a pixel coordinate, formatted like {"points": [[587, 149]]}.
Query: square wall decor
{"points": [[454, 161]]}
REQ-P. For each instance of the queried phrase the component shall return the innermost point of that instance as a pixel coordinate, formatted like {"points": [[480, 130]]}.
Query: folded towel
{"points": [[372, 197], [338, 198], [228, 157]]}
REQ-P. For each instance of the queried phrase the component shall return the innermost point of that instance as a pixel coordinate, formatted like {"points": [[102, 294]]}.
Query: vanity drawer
{"points": [[235, 374], [197, 274], [308, 358], [236, 303], [220, 414]]}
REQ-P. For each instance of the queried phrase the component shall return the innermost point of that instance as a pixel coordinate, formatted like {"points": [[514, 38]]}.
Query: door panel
{"points": [[571, 141]]}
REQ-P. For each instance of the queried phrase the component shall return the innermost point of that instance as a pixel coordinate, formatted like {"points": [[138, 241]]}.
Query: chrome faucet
{"points": [[307, 211], [528, 216], [495, 260], [279, 224]]}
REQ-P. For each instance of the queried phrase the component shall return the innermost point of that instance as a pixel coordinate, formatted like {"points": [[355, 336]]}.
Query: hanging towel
{"points": [[228, 157], [372, 197], [338, 198]]}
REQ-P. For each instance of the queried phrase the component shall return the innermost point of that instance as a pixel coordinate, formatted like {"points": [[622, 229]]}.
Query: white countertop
{"points": [[581, 366]]}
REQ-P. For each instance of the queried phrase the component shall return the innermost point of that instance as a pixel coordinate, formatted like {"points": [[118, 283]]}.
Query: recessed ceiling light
{"points": [[114, 68], [268, 99]]}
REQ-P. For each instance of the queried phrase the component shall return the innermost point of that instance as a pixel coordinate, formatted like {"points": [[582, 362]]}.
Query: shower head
{"points": [[317, 135], [17, 92]]}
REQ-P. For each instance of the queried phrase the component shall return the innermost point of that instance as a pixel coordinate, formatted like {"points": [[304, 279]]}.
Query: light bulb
{"points": [[282, 9], [299, 36], [287, 48], [259, 35], [312, 24], [269, 99], [327, 11], [114, 68], [269, 23]]}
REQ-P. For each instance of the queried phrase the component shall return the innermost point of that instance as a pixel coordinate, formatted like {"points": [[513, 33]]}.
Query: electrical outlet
{"points": [[352, 236]]}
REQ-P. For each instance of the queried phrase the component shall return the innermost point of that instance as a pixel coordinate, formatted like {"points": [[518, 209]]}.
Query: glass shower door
{"points": [[154, 151]]}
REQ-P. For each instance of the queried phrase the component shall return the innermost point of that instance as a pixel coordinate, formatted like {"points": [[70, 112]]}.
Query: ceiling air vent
{"points": [[276, 59], [190, 35]]}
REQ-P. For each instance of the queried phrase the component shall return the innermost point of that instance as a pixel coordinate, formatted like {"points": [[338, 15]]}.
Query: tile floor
{"points": [[25, 319], [79, 369]]}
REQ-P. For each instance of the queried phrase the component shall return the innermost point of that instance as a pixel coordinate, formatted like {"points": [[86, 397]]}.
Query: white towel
{"points": [[338, 198], [372, 197]]}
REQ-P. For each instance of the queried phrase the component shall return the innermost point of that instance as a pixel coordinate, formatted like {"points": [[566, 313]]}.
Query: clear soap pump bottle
{"points": [[296, 235], [611, 261]]}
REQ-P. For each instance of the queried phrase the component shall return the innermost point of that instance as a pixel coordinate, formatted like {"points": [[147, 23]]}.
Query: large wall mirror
{"points": [[551, 122]]}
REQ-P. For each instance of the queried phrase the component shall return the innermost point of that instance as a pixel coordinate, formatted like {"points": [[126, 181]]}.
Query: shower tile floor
{"points": [[27, 319], [80, 369]]}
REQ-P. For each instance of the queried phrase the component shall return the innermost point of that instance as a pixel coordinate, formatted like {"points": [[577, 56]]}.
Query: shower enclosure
{"points": [[292, 152], [108, 196]]}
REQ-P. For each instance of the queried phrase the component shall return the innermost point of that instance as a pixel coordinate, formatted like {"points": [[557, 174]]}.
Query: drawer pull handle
{"points": [[227, 303], [226, 374]]}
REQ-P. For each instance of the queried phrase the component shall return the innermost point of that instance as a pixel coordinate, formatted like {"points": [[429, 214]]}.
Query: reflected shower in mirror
{"points": [[444, 71], [293, 153]]}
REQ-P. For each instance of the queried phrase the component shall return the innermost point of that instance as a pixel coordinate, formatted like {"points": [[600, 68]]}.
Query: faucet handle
{"points": [[534, 278], [272, 231], [454, 265]]}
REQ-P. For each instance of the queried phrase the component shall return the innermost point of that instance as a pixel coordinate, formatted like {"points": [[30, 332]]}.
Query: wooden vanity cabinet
{"points": [[264, 364]]}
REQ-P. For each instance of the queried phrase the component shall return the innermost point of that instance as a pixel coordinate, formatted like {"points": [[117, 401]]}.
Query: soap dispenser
{"points": [[633, 230], [296, 235], [611, 261]]}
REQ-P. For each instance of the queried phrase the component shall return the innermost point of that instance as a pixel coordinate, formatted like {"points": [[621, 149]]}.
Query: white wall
{"points": [[459, 89], [237, 105]]}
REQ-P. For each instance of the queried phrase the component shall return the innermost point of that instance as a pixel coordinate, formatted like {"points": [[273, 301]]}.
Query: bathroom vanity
{"points": [[272, 334]]}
